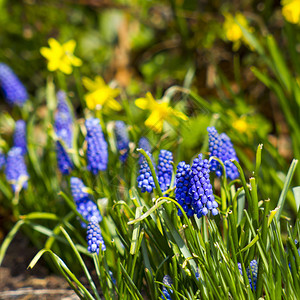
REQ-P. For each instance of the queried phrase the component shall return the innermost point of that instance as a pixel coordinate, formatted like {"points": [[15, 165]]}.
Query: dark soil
{"points": [[18, 282]]}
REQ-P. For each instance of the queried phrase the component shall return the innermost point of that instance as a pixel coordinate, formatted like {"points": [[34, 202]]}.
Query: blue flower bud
{"points": [[200, 188], [85, 205], [94, 236], [20, 136], [221, 147], [64, 162], [182, 183], [145, 179], [63, 120], [122, 140], [167, 280], [165, 169], [97, 153], [16, 171], [145, 145], [252, 272], [14, 91]]}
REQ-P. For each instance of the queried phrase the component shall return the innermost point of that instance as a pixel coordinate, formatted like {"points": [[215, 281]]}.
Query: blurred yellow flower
{"points": [[61, 57], [241, 124], [233, 32], [160, 112], [100, 95], [291, 10]]}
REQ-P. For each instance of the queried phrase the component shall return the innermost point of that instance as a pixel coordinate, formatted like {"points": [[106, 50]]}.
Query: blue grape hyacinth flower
{"points": [[2, 159], [14, 91], [63, 120], [78, 189], [20, 136], [200, 188], [165, 169], [167, 280], [145, 145], [94, 237], [252, 272], [122, 140], [145, 179], [97, 153], [182, 183], [84, 204], [63, 129], [16, 171], [221, 147], [64, 162]]}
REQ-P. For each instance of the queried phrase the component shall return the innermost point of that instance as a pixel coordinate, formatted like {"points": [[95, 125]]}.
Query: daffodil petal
{"points": [[180, 115], [69, 46], [55, 46], [155, 121], [53, 65], [46, 52], [75, 61], [66, 68], [142, 103], [99, 81], [89, 84], [90, 103], [114, 105]]}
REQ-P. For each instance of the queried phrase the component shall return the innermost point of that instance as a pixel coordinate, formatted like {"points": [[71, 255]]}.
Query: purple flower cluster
{"points": [[63, 129], [14, 91], [252, 272], [145, 179], [122, 140], [193, 189], [221, 147], [85, 205], [165, 168], [20, 136], [97, 153], [94, 236], [167, 280], [16, 171]]}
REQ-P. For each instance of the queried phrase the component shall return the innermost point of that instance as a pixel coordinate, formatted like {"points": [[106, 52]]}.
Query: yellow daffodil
{"points": [[241, 124], [233, 31], [61, 57], [291, 11], [160, 112], [100, 96]]}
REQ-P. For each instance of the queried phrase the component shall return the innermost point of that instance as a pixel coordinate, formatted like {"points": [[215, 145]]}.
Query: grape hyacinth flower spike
{"points": [[165, 169], [97, 153], [252, 272], [182, 183], [200, 188], [85, 205], [63, 119], [221, 147], [94, 236], [145, 179], [63, 130], [14, 91], [167, 280], [16, 171], [122, 140], [145, 145], [20, 136]]}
